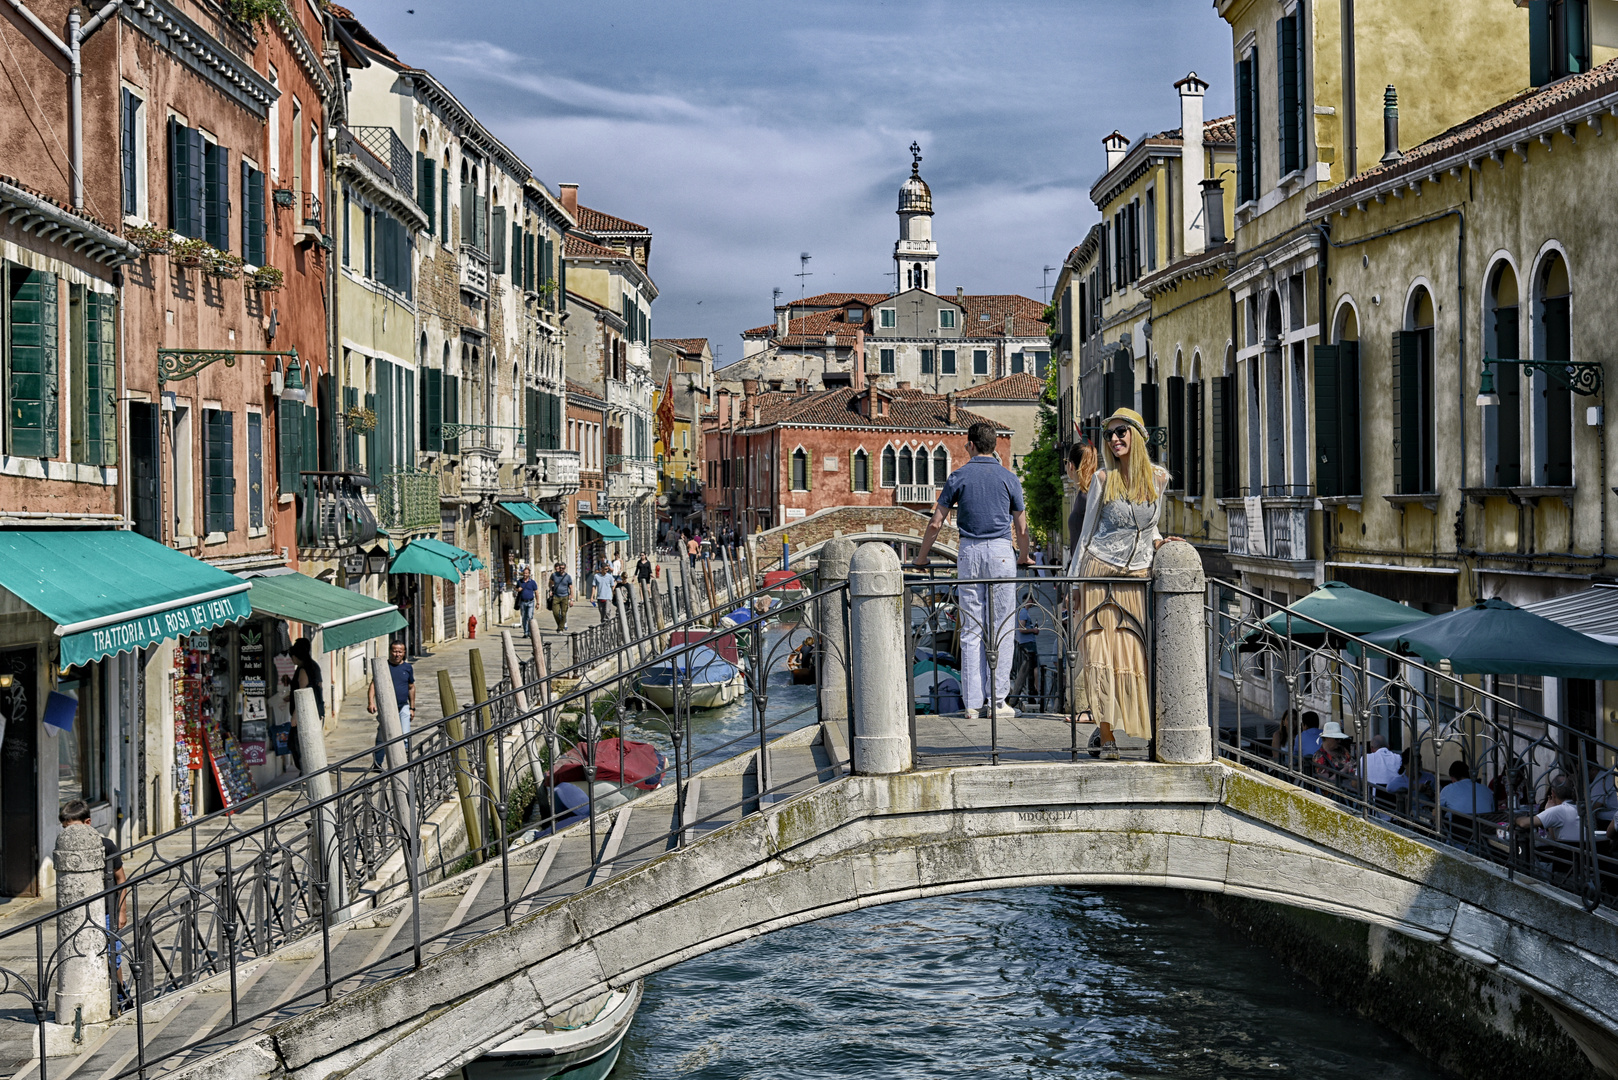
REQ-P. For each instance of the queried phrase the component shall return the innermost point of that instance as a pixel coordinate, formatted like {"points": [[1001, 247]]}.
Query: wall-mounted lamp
{"points": [[5, 682], [1486, 392], [377, 560], [171, 401]]}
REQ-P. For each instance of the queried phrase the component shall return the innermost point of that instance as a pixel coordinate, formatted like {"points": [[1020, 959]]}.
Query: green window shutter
{"points": [[253, 215], [429, 193], [288, 444], [101, 379], [144, 504], [1286, 63], [374, 437], [561, 281], [216, 195], [1539, 42], [195, 191], [498, 255], [851, 471], [1245, 159], [443, 204], [452, 411], [1176, 462], [1223, 436], [351, 437], [1558, 395], [1193, 439], [177, 150], [219, 471], [516, 255], [1407, 412], [129, 132], [480, 222], [433, 404], [1348, 399], [255, 470], [423, 199], [1148, 404], [33, 382], [1508, 384], [531, 424], [1328, 423]]}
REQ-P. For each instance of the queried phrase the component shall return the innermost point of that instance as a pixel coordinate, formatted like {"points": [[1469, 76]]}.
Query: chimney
{"points": [[803, 385], [951, 413], [755, 414], [1117, 146], [570, 198], [724, 406], [960, 296], [749, 387], [1192, 168], [781, 323], [1390, 127], [904, 386], [1213, 211], [859, 359]]}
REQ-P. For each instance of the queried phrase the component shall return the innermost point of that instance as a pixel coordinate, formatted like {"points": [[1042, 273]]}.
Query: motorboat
{"points": [[698, 676], [801, 662], [937, 687], [580, 1044]]}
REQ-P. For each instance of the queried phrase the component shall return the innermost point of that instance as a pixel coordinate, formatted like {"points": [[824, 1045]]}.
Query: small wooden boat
{"points": [[580, 1044], [801, 662], [699, 677]]}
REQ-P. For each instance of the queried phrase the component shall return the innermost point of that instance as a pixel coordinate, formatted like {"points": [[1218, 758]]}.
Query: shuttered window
{"points": [[800, 470], [1337, 419], [255, 470], [946, 361], [253, 217], [1176, 462], [1413, 411], [351, 437], [452, 412], [216, 195], [1291, 94], [95, 379], [1149, 410], [889, 467], [1223, 436], [443, 205], [1508, 414], [432, 400], [186, 190], [1193, 439], [516, 255], [129, 151], [1247, 116], [31, 362], [1557, 470], [144, 504], [427, 190], [980, 361], [288, 444], [219, 470], [498, 255]]}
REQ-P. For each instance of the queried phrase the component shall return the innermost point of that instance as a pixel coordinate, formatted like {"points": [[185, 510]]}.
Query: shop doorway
{"points": [[19, 774]]}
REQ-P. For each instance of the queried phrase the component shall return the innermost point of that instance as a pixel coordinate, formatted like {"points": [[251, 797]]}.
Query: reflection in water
{"points": [[1018, 983]]}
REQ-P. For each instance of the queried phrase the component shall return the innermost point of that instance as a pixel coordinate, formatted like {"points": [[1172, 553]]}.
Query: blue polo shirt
{"points": [[984, 494]]}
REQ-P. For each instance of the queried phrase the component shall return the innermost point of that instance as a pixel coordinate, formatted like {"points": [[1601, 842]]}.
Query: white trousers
{"points": [[986, 559]]}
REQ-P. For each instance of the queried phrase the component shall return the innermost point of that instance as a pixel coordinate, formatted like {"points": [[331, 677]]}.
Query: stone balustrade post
{"points": [[83, 984], [832, 664], [1181, 656], [877, 648], [318, 783]]}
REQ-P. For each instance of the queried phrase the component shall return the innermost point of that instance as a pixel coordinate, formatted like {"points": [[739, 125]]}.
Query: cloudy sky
{"points": [[744, 133]]}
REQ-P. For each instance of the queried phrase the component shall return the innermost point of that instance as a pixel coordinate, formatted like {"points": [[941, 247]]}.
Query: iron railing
{"points": [[384, 144], [332, 511], [407, 499]]}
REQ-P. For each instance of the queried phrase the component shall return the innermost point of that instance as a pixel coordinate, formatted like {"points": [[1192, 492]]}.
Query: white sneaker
{"points": [[971, 714], [1004, 711]]}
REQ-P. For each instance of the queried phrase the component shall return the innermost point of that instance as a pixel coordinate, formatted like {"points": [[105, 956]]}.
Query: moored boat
{"points": [[801, 662], [580, 1044], [699, 677]]}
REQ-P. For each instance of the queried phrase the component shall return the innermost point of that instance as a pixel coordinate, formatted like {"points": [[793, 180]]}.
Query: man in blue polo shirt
{"points": [[987, 498]]}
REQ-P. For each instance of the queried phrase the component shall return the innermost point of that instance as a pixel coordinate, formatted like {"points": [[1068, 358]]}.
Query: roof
{"points": [[1220, 131], [582, 390], [1593, 611], [597, 222], [577, 247], [811, 329], [1516, 115], [683, 344], [832, 299], [1021, 386], [839, 408]]}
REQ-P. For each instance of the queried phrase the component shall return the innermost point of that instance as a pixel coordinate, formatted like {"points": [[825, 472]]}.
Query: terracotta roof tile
{"points": [[811, 329], [833, 299], [597, 222], [907, 411], [588, 391], [1521, 111], [683, 344], [1021, 386], [580, 248]]}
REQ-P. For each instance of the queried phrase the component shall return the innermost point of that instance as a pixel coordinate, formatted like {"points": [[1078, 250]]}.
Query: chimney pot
{"points": [[858, 374], [1194, 233], [1213, 211], [749, 387], [960, 295], [1390, 126], [951, 411], [570, 198], [1117, 146]]}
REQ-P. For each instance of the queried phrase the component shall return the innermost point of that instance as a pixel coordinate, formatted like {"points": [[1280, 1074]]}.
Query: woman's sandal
{"points": [[1109, 751]]}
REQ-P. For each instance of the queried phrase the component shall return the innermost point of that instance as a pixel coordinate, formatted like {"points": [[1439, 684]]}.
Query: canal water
{"points": [[1020, 983]]}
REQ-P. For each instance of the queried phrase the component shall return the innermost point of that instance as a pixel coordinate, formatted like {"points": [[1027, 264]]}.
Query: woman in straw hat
{"points": [[1124, 505]]}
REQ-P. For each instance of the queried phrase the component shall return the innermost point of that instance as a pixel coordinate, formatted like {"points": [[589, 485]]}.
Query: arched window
{"points": [[921, 466], [906, 472], [1413, 397], [860, 471], [1502, 340], [1337, 409], [940, 464], [1553, 398], [889, 470], [800, 469]]}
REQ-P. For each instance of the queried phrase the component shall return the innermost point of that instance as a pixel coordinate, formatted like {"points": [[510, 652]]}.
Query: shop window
{"points": [[81, 753]]}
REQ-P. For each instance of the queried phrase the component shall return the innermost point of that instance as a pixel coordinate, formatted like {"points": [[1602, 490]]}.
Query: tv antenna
{"points": [[1045, 287]]}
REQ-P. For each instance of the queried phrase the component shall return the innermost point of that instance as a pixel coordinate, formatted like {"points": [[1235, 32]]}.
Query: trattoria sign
{"points": [[143, 630]]}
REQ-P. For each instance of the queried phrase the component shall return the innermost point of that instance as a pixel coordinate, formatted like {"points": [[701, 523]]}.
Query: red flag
{"points": [[665, 416]]}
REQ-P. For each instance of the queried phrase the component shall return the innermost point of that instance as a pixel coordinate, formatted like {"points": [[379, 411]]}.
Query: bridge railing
{"points": [[1270, 679], [255, 881], [1037, 627]]}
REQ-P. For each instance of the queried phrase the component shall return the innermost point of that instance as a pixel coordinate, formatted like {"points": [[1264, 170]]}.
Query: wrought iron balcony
{"points": [[407, 499], [332, 511], [387, 153], [1281, 533]]}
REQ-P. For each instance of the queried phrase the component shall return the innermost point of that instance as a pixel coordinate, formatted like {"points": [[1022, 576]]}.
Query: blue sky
{"points": [[744, 133]]}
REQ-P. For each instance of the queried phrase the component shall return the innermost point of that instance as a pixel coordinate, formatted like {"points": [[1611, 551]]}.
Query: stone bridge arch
{"points": [[866, 841], [807, 535]]}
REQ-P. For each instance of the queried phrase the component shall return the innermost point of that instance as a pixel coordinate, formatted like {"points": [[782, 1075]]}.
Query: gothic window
{"points": [[906, 471], [888, 473], [940, 464], [800, 470], [860, 474], [921, 466]]}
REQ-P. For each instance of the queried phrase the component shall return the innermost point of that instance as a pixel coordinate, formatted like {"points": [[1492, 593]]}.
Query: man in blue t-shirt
{"points": [[404, 694], [527, 590], [987, 498]]}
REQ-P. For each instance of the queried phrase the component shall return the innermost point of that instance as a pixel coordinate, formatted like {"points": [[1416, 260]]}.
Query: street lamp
{"points": [[377, 560], [1487, 395]]}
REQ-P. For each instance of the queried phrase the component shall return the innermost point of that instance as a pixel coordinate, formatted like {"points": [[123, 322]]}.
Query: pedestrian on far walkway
{"points": [[693, 549], [602, 584], [561, 594], [988, 501], [643, 570], [306, 676], [527, 590], [404, 696]]}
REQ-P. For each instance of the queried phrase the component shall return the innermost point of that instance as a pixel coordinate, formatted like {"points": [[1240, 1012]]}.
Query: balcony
{"points": [[332, 512], [1282, 529], [407, 500], [386, 153], [915, 493], [618, 486], [480, 471], [640, 473], [474, 271], [558, 472]]}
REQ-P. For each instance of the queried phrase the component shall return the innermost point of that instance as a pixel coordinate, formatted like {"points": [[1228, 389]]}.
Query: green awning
{"points": [[342, 617], [115, 591], [436, 558], [534, 521], [604, 528]]}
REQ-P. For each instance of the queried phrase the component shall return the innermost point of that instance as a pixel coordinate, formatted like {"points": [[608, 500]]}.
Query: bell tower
{"points": [[915, 256]]}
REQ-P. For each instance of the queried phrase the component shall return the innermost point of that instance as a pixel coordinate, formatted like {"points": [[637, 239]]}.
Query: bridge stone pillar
{"points": [[877, 651], [83, 984], [1181, 654], [833, 686]]}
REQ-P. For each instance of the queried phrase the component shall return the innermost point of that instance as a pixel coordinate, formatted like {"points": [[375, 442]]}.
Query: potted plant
{"points": [[152, 239], [225, 265], [189, 252], [267, 278], [360, 419]]}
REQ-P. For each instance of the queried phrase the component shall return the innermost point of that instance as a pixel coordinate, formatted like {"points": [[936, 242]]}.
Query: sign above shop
{"points": [[354, 565], [144, 630]]}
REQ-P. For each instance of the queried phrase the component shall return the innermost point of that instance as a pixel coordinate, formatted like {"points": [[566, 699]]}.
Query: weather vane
{"points": [[915, 152]]}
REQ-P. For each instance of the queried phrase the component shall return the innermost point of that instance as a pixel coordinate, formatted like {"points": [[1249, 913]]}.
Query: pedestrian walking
{"points": [[988, 501], [561, 594], [306, 676], [403, 676], [602, 585], [1124, 506], [643, 570], [527, 591], [693, 549]]}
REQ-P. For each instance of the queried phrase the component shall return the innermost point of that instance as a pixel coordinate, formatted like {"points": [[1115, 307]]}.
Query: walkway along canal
{"points": [[402, 921]]}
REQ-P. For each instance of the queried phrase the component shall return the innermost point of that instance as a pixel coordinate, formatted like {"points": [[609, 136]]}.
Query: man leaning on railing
{"points": [[989, 503]]}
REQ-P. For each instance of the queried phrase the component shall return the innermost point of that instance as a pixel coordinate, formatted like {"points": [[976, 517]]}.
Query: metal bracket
{"points": [[1583, 377], [174, 365]]}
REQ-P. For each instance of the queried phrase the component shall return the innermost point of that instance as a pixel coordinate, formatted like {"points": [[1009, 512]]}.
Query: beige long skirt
{"points": [[1113, 650]]}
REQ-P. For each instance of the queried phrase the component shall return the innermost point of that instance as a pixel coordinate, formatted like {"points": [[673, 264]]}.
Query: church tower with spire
{"points": [[915, 256]]}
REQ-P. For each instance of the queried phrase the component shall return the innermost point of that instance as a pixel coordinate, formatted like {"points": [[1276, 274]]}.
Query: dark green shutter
{"points": [[195, 190], [216, 195], [130, 132], [100, 379], [1539, 42], [531, 421], [351, 437], [1407, 412], [1148, 405], [1193, 439], [1176, 462], [255, 470], [288, 444], [443, 204], [498, 255], [1328, 418], [423, 197], [1348, 424], [219, 471], [144, 506], [432, 388], [516, 255], [253, 215], [1508, 384], [33, 382], [374, 437], [1558, 394], [1286, 65], [452, 411], [429, 194], [1224, 436], [177, 152]]}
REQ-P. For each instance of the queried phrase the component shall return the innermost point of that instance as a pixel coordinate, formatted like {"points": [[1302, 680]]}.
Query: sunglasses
{"points": [[1118, 433]]}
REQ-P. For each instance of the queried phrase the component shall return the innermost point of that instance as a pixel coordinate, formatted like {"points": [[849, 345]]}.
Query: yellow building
{"points": [[682, 368]]}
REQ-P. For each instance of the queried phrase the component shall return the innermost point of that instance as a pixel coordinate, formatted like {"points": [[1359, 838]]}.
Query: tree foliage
{"points": [[1042, 468]]}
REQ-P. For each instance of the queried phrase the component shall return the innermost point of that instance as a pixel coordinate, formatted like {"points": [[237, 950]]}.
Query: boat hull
{"points": [[697, 696], [588, 1052]]}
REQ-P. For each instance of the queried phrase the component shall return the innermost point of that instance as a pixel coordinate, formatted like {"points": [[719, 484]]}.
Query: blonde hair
{"points": [[1136, 479]]}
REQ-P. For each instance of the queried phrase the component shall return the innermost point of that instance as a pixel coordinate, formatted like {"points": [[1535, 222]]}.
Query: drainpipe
{"points": [[77, 35]]}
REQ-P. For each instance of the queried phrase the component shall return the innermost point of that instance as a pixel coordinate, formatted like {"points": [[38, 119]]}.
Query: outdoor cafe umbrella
{"points": [[1335, 606], [1493, 637]]}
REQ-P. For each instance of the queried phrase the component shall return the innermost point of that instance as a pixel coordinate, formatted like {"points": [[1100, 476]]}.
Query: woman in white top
{"points": [[1120, 534]]}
